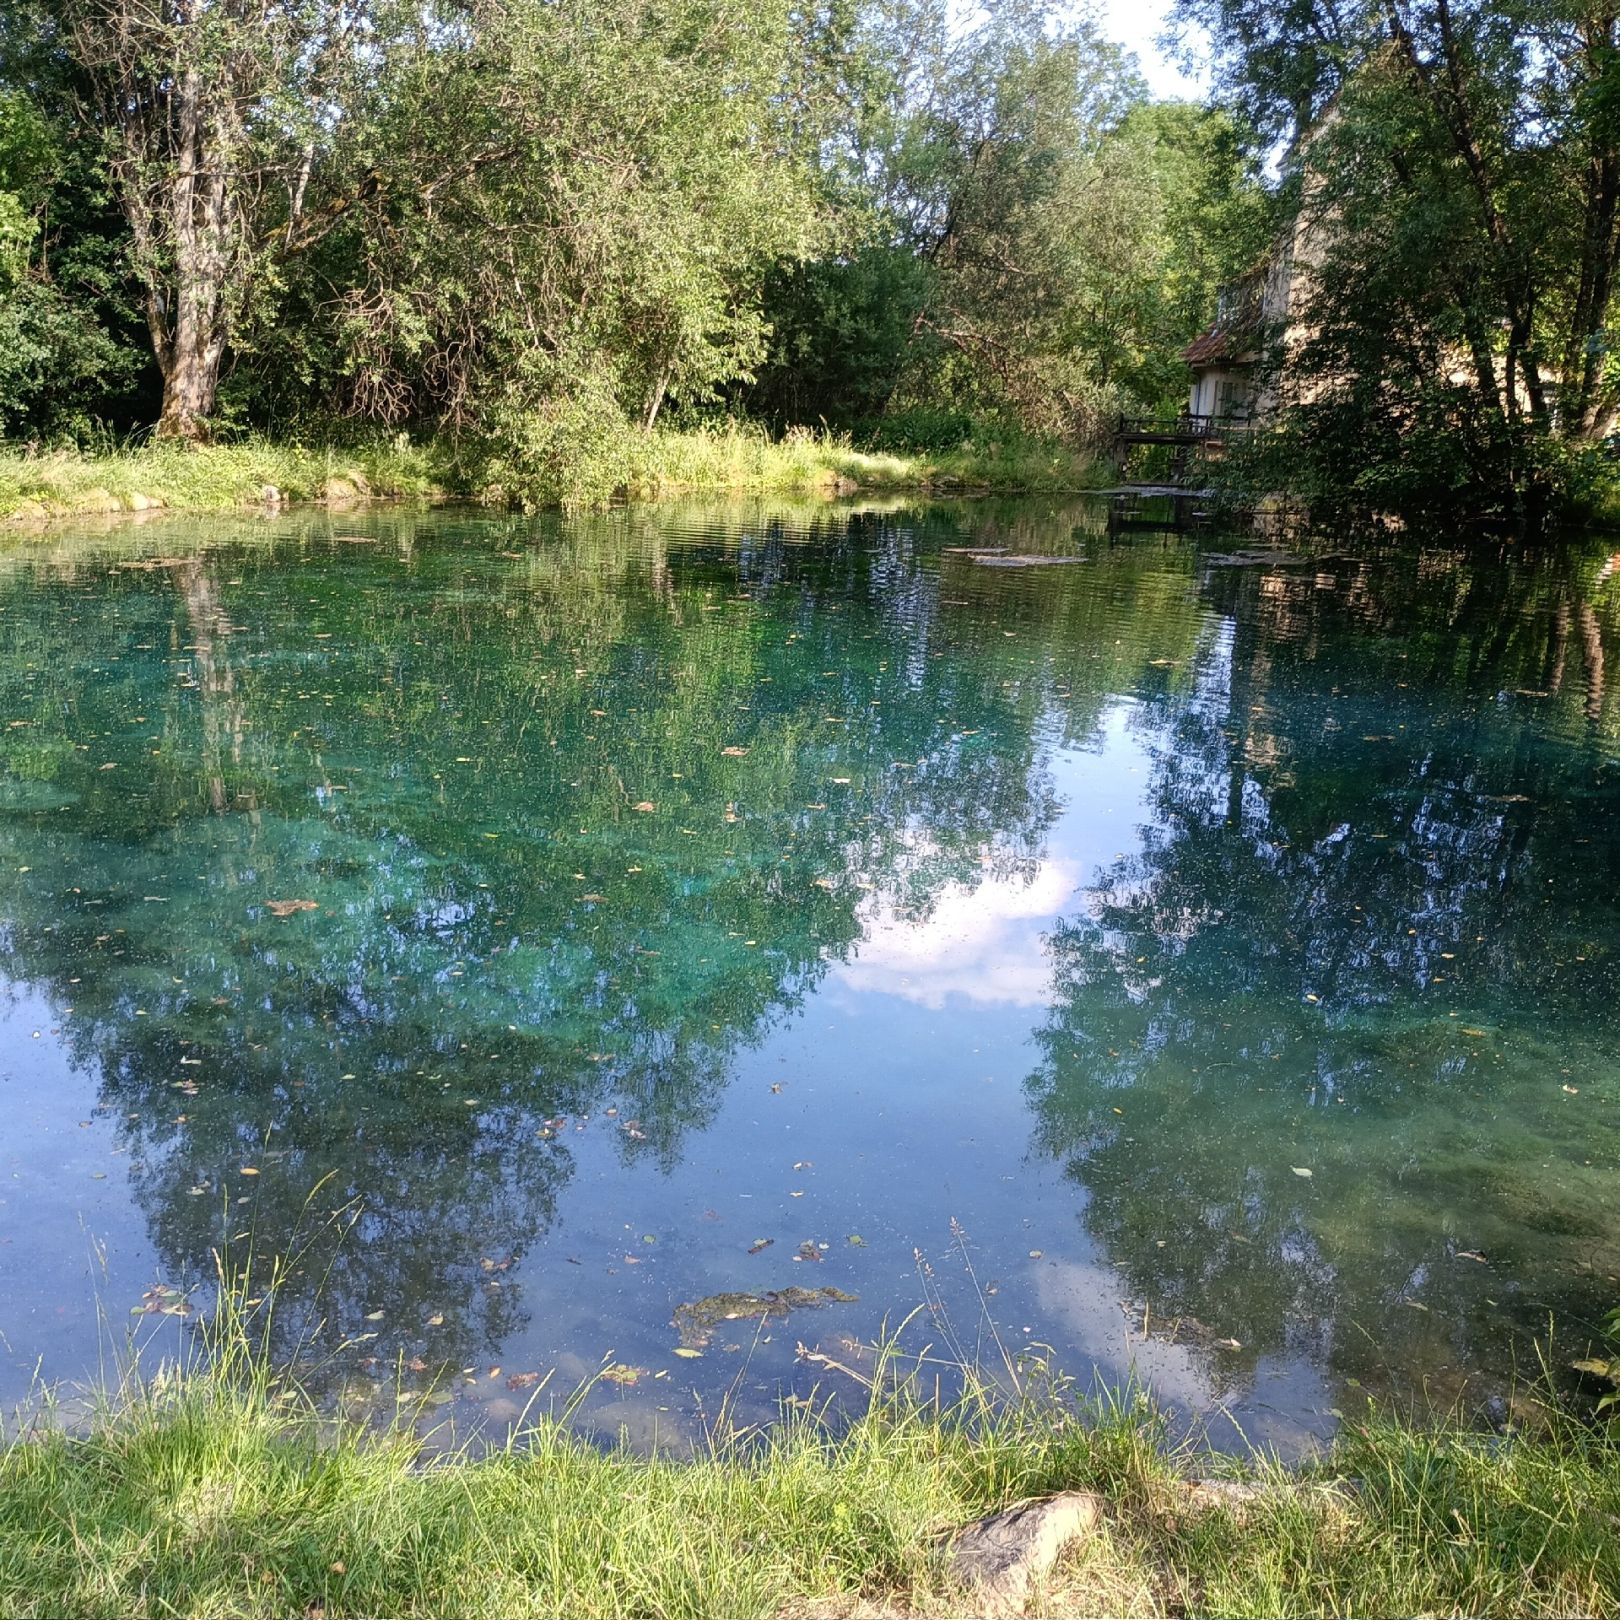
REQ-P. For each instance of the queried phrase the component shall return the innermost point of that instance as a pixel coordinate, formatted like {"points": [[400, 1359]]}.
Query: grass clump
{"points": [[226, 1492]]}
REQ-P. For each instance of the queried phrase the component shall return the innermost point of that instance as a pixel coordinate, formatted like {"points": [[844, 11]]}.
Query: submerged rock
{"points": [[697, 1320]]}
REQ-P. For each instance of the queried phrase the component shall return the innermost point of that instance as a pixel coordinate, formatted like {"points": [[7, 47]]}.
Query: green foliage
{"points": [[541, 226], [65, 357], [1456, 168]]}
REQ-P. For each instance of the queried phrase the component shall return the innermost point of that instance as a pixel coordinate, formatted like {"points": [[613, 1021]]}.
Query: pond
{"points": [[1194, 958]]}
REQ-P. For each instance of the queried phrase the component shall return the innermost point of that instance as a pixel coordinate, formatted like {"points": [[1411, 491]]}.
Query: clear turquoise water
{"points": [[687, 878]]}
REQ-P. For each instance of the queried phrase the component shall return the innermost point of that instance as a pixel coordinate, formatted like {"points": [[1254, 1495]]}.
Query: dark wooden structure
{"points": [[1175, 503]]}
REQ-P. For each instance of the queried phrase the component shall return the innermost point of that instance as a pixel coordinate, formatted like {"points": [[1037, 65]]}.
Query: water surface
{"points": [[1217, 948]]}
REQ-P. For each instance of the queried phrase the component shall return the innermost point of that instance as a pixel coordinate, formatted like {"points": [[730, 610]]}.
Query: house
{"points": [[1232, 383]]}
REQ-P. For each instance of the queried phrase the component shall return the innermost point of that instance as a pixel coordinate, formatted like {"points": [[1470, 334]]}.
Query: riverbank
{"points": [[234, 1497], [734, 460]]}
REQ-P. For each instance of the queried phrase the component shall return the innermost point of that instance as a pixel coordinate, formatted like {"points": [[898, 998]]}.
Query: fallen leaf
{"points": [[285, 908], [646, 807], [522, 1380], [1299, 1170], [760, 1243], [734, 752], [688, 1355]]}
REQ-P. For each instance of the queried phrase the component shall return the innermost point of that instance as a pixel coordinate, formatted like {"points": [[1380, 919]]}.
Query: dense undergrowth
{"points": [[222, 1490], [731, 459]]}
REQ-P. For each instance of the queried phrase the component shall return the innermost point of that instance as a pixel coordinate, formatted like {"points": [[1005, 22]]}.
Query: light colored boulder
{"points": [[1004, 1557]]}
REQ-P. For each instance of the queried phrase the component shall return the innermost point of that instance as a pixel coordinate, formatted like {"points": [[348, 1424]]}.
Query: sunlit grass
{"points": [[221, 1489], [209, 477], [732, 459]]}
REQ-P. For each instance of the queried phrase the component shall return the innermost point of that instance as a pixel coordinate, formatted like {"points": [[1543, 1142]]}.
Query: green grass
{"points": [[208, 478], [741, 458], [733, 459], [226, 1493]]}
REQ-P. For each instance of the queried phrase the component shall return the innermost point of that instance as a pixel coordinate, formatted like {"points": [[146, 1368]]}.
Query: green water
{"points": [[679, 880]]}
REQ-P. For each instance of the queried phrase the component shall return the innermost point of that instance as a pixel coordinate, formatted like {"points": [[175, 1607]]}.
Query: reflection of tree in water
{"points": [[1368, 933], [579, 824]]}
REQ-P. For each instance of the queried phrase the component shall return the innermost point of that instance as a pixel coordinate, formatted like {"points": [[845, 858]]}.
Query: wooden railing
{"points": [[1178, 430]]}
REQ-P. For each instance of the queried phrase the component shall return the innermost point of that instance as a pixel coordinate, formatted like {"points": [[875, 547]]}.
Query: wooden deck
{"points": [[1185, 430]]}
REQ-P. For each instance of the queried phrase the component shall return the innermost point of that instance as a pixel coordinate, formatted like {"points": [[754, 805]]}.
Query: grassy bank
{"points": [[732, 460], [209, 478], [223, 1497]]}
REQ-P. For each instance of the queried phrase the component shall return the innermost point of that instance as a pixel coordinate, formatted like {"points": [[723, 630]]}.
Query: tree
{"points": [[1460, 164], [1028, 237]]}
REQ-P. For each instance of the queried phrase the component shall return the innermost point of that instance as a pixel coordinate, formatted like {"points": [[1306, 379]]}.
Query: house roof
{"points": [[1218, 344], [1210, 346]]}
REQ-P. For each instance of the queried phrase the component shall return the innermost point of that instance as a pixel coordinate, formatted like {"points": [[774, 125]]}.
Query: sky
{"points": [[1136, 25]]}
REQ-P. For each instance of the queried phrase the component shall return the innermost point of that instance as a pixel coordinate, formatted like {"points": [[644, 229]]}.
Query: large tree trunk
{"points": [[190, 376], [200, 224]]}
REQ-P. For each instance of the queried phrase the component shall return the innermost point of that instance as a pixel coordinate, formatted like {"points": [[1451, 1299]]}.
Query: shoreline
{"points": [[230, 1493], [266, 477]]}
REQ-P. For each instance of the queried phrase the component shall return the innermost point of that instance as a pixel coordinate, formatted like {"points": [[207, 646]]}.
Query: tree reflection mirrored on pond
{"points": [[1332, 1052], [435, 895]]}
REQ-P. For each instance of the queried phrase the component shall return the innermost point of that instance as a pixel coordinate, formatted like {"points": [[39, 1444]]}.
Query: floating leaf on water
{"points": [[525, 1380], [760, 1243], [1035, 1254], [620, 1373], [1227, 1344], [435, 1321], [855, 1240], [1591, 1364], [285, 908], [248, 1170], [1300, 1170], [688, 1355], [374, 1316]]}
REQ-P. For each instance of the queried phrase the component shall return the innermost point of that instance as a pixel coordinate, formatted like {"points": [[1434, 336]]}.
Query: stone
{"points": [[1002, 1558]]}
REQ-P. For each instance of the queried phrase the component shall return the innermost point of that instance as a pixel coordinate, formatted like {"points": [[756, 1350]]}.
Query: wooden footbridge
{"points": [[1176, 502]]}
